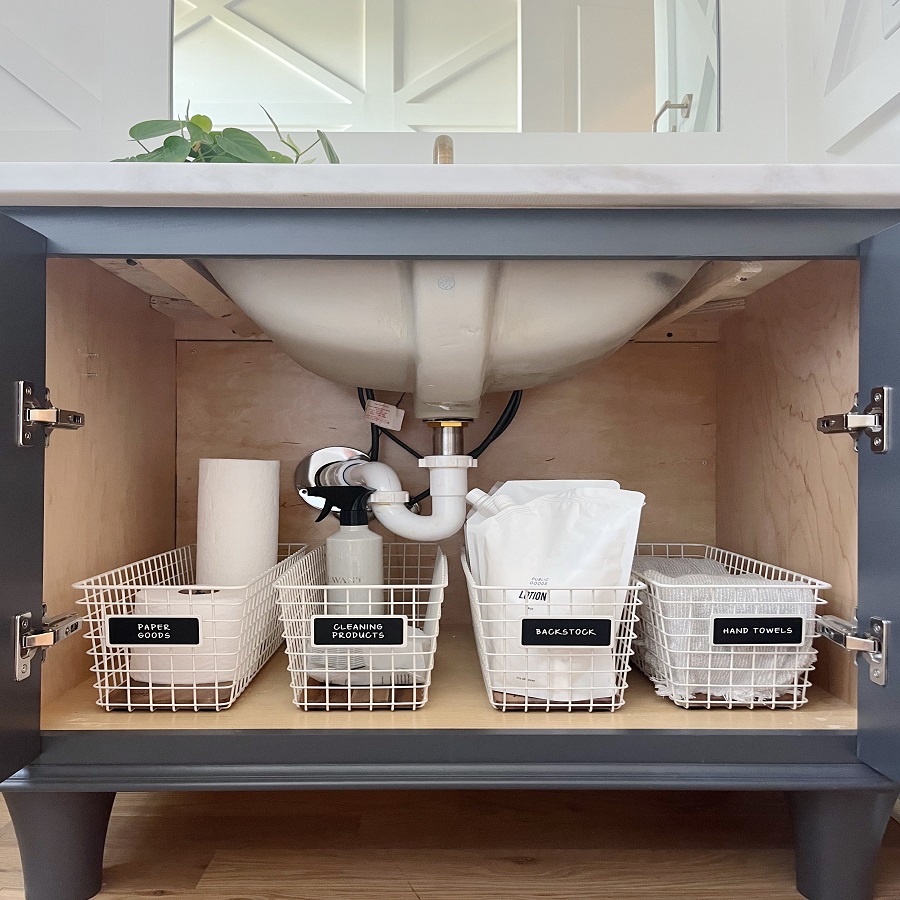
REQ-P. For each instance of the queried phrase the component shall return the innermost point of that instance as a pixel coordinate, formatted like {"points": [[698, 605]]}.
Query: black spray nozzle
{"points": [[351, 501]]}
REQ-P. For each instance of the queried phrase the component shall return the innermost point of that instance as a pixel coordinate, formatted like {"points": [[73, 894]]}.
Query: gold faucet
{"points": [[443, 150]]}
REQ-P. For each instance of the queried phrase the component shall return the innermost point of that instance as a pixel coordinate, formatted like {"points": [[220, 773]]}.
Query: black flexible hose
{"points": [[374, 431], [419, 498], [393, 437], [502, 423], [505, 420]]}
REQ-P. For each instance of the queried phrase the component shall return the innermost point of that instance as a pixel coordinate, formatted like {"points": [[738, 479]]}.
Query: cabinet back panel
{"points": [[109, 494], [645, 417], [785, 493]]}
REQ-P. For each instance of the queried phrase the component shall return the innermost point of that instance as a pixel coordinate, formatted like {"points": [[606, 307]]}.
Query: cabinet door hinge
{"points": [[872, 421], [873, 644], [31, 415], [30, 640]]}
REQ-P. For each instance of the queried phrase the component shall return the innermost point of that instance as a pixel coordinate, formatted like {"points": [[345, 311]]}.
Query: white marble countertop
{"points": [[283, 186]]}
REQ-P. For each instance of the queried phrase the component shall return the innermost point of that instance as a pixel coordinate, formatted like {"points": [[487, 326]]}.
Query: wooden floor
{"points": [[449, 846], [457, 700]]}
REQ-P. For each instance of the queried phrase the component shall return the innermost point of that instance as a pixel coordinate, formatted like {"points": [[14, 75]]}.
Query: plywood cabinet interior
{"points": [[783, 492], [663, 416], [110, 488]]}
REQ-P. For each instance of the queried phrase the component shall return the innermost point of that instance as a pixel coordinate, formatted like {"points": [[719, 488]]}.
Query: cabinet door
{"points": [[879, 498], [22, 342]]}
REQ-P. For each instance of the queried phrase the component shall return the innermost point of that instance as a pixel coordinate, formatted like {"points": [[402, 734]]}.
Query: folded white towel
{"points": [[677, 565], [372, 667], [676, 641]]}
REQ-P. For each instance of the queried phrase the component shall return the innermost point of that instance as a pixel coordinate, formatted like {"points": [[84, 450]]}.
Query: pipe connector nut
{"points": [[389, 497], [448, 462]]}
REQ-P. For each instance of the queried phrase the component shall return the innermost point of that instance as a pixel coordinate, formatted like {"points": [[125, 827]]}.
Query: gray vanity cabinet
{"points": [[22, 311], [60, 784]]}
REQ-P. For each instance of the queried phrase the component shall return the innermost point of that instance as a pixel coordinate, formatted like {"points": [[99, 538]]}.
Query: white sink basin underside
{"points": [[450, 331]]}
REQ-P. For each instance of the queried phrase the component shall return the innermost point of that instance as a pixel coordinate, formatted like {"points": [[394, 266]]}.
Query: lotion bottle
{"points": [[353, 554]]}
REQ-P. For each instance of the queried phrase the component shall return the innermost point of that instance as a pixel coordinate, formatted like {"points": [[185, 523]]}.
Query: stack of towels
{"points": [[675, 646]]}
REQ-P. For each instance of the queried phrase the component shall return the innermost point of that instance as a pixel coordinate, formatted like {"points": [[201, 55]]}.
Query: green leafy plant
{"points": [[192, 139]]}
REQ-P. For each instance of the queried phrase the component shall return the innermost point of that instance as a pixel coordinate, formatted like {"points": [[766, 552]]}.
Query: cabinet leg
{"points": [[837, 836], [61, 838]]}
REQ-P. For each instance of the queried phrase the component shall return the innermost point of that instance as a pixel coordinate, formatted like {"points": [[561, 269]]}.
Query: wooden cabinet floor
{"points": [[449, 846]]}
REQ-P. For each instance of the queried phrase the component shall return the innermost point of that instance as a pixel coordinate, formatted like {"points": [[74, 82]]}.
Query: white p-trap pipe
{"points": [[449, 485]]}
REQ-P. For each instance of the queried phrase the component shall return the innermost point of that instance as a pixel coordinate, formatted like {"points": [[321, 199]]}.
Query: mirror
{"points": [[565, 66]]}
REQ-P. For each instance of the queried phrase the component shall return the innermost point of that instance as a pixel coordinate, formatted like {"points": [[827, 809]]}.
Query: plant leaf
{"points": [[287, 141], [274, 123], [203, 122], [196, 133], [243, 145], [326, 146], [174, 149], [154, 128], [304, 150], [224, 158], [279, 157]]}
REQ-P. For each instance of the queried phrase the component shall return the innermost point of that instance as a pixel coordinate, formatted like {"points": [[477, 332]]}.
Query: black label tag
{"points": [[566, 632], [153, 631], [757, 631], [359, 631]]}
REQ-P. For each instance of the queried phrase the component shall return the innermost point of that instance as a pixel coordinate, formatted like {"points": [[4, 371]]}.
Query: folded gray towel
{"points": [[677, 565], [676, 640]]}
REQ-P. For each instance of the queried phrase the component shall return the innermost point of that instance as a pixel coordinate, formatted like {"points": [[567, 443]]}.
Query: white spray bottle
{"points": [[353, 555]]}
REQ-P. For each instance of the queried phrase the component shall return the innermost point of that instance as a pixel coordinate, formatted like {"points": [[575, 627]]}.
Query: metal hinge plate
{"points": [[31, 415], [872, 421], [28, 640], [873, 644]]}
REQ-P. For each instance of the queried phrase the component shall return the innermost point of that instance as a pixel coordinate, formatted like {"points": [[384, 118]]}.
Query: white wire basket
{"points": [[586, 667], [710, 637], [381, 656], [161, 642]]}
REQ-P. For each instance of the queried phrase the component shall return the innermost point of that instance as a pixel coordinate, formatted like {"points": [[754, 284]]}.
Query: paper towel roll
{"points": [[216, 661], [237, 520]]}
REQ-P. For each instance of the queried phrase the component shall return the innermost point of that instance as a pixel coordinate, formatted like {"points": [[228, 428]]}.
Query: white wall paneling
{"points": [[425, 65], [844, 89], [752, 87], [587, 65], [356, 65], [805, 81], [75, 76], [863, 85]]}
